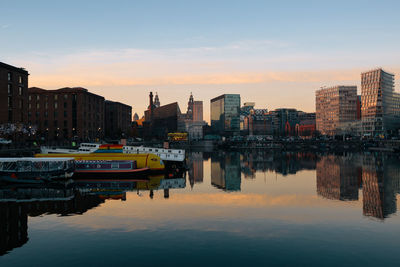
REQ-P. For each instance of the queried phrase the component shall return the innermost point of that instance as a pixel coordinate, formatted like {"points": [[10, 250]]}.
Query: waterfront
{"points": [[230, 208]]}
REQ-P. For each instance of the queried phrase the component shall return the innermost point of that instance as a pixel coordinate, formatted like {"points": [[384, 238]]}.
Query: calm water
{"points": [[229, 209]]}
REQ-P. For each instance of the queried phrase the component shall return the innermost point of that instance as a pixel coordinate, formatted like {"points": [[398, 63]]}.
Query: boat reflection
{"points": [[20, 201], [17, 202]]}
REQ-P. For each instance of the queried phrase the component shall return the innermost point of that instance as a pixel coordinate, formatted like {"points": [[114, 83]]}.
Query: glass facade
{"points": [[225, 113], [379, 103]]}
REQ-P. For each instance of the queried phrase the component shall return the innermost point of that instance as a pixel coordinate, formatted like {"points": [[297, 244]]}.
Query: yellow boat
{"points": [[151, 161]]}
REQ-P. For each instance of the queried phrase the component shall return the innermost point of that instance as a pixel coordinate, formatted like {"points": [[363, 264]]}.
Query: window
{"points": [[30, 105], [55, 105], [19, 79], [37, 97], [37, 105], [65, 104], [55, 123], [20, 104], [46, 114], [20, 89], [9, 89], [65, 114], [65, 97], [65, 123], [55, 114], [9, 102], [55, 97], [30, 97], [9, 76]]}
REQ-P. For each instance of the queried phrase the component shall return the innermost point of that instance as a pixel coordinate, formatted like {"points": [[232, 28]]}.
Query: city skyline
{"points": [[277, 57]]}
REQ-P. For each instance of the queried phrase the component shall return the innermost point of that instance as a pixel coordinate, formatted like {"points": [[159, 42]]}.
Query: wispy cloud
{"points": [[4, 26]]}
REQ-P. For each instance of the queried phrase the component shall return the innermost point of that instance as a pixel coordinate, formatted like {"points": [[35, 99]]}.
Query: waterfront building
{"points": [[334, 107], [118, 119], [259, 122], [13, 94], [159, 121], [225, 114], [306, 126], [378, 103], [284, 121], [66, 113], [192, 120]]}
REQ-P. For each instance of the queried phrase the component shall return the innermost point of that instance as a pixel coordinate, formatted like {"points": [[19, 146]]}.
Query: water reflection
{"points": [[196, 168], [17, 202], [283, 163], [378, 176], [370, 181], [225, 171]]}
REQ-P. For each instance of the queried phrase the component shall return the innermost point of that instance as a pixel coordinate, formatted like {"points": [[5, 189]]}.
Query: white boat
{"points": [[28, 170], [164, 153], [177, 155]]}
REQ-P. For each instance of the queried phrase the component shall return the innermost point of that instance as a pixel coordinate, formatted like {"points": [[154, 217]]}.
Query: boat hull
{"points": [[151, 161], [111, 174]]}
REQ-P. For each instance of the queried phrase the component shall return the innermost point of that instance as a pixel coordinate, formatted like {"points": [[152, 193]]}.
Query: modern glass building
{"points": [[225, 114], [379, 110]]}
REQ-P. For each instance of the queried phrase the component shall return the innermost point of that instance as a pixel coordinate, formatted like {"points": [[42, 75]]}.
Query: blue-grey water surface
{"points": [[229, 209]]}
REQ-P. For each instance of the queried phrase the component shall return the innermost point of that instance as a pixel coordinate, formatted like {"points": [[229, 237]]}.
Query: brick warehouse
{"points": [[13, 94], [118, 119], [66, 113]]}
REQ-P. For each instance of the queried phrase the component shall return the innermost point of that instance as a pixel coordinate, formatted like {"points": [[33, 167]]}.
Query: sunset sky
{"points": [[275, 53]]}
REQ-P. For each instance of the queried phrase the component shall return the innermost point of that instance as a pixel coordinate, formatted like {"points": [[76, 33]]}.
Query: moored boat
{"points": [[151, 161], [174, 155], [35, 170], [103, 169]]}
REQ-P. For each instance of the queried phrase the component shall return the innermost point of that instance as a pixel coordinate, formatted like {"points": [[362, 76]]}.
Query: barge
{"points": [[35, 170], [105, 169]]}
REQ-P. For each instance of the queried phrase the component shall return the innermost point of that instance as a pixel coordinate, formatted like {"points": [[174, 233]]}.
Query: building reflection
{"points": [[378, 176], [18, 202], [196, 168], [338, 178], [280, 162], [225, 171]]}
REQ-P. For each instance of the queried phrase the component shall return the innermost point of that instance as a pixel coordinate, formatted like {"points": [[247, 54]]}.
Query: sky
{"points": [[273, 53]]}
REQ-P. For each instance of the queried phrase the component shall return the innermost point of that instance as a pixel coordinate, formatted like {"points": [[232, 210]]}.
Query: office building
{"points": [[13, 94], [66, 113], [378, 103], [335, 106], [225, 114]]}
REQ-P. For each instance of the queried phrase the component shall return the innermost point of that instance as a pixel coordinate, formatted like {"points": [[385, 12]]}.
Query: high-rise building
{"points": [[66, 113], [13, 94], [225, 114], [335, 106], [118, 119], [378, 103]]}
